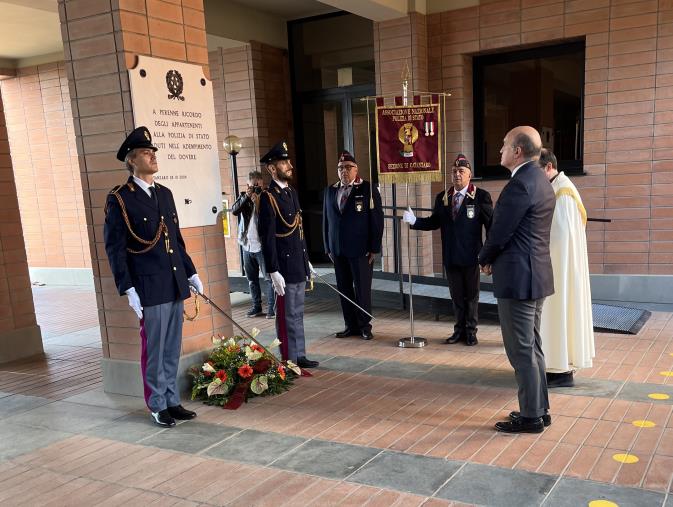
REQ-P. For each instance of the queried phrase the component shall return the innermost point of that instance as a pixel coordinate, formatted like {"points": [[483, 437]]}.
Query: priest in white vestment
{"points": [[567, 322]]}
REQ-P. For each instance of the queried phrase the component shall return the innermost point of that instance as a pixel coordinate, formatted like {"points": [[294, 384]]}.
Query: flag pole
{"points": [[411, 341]]}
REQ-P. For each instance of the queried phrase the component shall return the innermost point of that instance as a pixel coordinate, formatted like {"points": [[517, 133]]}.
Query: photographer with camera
{"points": [[246, 208]]}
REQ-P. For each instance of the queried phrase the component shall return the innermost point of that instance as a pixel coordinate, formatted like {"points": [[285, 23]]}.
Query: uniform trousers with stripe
{"points": [[290, 321], [161, 338]]}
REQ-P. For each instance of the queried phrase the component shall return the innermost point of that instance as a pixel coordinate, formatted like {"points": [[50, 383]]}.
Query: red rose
{"points": [[222, 375]]}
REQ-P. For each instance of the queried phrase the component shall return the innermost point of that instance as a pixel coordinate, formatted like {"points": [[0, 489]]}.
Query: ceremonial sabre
{"points": [[230, 319], [342, 295]]}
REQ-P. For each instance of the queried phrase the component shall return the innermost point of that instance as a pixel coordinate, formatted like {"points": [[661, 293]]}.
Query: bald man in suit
{"points": [[516, 253]]}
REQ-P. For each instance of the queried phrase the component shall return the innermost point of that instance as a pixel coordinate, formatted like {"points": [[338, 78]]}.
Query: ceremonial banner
{"points": [[407, 143], [174, 101]]}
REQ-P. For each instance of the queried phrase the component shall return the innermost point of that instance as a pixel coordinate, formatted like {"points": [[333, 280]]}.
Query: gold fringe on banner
{"points": [[421, 177]]}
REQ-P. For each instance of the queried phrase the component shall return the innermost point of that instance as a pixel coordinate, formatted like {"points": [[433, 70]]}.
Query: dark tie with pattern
{"points": [[153, 193], [344, 197], [456, 204]]}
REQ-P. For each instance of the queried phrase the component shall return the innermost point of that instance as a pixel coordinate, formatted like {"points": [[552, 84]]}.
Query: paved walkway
{"points": [[376, 425]]}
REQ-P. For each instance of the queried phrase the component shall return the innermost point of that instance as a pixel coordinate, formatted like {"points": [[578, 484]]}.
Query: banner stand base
{"points": [[412, 342]]}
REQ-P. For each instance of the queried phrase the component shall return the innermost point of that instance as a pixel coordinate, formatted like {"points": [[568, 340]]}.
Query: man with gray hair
{"points": [[516, 253]]}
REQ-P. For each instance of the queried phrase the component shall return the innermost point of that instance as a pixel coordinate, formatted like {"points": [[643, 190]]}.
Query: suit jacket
{"points": [[284, 248], [159, 275], [517, 245], [358, 229], [462, 237]]}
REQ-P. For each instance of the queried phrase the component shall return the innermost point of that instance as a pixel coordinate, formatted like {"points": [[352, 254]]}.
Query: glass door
{"points": [[326, 123]]}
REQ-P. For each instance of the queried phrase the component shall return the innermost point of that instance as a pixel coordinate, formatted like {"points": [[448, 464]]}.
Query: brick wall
{"points": [[17, 313], [253, 101], [44, 156], [628, 129], [101, 39], [398, 43]]}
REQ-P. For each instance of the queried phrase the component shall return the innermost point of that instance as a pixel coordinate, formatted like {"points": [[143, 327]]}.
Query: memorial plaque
{"points": [[174, 100]]}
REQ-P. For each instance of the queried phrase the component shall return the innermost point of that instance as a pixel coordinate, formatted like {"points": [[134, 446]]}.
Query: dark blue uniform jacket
{"points": [[284, 251], [359, 229], [159, 275], [462, 237]]}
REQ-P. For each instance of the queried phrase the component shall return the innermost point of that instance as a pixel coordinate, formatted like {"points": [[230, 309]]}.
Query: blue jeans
{"points": [[253, 263]]}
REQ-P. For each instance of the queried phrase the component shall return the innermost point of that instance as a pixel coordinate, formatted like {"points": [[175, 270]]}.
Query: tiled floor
{"points": [[375, 425]]}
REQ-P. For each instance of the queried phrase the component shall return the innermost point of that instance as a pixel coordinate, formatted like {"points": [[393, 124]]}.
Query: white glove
{"points": [[134, 301], [310, 268], [408, 216], [278, 283], [196, 283]]}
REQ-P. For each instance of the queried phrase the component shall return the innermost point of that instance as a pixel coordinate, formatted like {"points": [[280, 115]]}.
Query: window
{"points": [[541, 87]]}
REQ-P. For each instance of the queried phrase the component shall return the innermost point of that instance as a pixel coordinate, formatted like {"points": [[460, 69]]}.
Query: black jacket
{"points": [[284, 248], [517, 245], [243, 207], [462, 237], [158, 275], [359, 229]]}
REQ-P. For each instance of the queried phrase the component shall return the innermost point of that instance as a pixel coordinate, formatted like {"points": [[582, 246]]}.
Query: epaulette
{"points": [[115, 189]]}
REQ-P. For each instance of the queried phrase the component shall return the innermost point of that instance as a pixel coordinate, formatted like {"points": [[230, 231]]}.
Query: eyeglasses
{"points": [[345, 167]]}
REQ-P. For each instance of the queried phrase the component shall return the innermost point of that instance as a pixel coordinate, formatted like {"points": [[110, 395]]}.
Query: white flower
{"points": [[208, 367], [275, 343], [294, 367], [254, 332]]}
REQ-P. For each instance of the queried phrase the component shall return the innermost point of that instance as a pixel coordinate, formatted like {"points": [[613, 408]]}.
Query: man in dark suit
{"points": [[516, 253], [462, 213], [282, 235], [151, 267], [352, 234]]}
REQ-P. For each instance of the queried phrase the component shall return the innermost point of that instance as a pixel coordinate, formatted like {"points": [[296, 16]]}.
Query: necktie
{"points": [[344, 197], [153, 193], [456, 204]]}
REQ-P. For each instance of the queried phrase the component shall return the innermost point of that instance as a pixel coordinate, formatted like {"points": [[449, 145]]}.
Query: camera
{"points": [[257, 189]]}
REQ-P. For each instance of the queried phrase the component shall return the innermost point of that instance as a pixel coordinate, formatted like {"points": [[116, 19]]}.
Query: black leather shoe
{"points": [[302, 362], [254, 312], [560, 380], [346, 333], [546, 419], [521, 425], [367, 334], [471, 340], [181, 413], [454, 338], [163, 418]]}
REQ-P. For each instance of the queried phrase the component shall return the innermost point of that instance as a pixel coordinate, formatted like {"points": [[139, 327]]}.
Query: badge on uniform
{"points": [[470, 210], [359, 205]]}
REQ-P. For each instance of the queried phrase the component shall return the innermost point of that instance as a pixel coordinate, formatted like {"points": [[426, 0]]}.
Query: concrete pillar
{"points": [[19, 333], [101, 41]]}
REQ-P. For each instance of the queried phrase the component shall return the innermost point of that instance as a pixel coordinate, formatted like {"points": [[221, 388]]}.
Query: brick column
{"points": [[251, 84], [101, 41], [397, 42], [19, 333]]}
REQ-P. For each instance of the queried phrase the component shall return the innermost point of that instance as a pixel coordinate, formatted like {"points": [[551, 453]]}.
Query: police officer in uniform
{"points": [[151, 267], [352, 234], [284, 249]]}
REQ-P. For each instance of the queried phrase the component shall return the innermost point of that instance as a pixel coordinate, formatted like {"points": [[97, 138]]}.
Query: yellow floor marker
{"points": [[658, 396], [641, 423], [666, 373], [626, 458], [602, 503]]}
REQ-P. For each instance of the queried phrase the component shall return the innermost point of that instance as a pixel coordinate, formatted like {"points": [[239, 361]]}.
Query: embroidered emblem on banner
{"points": [[470, 211], [175, 84]]}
